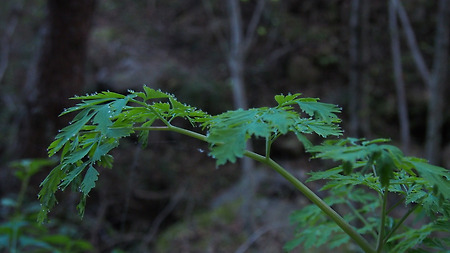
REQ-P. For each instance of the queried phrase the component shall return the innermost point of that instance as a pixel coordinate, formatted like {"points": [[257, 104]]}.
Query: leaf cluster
{"points": [[102, 120], [315, 230], [367, 170], [383, 169], [229, 131]]}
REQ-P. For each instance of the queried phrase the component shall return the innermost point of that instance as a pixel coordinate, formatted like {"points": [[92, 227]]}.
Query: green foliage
{"points": [[104, 118], [229, 131], [20, 232], [367, 171], [314, 229], [381, 168]]}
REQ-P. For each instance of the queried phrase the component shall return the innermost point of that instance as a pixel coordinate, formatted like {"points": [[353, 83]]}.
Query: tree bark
{"points": [[60, 72]]}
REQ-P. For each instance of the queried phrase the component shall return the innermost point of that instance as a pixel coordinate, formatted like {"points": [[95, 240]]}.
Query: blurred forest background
{"points": [[384, 62]]}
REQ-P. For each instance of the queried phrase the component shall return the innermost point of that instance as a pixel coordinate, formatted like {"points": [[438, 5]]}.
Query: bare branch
{"points": [[251, 30], [217, 32], [176, 198], [412, 43], [257, 234]]}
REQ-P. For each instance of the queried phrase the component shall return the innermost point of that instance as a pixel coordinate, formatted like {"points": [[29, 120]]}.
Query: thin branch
{"points": [[412, 43], [257, 234], [251, 30], [162, 216], [360, 217], [333, 215], [395, 205], [130, 185], [220, 37], [399, 223], [276, 54]]}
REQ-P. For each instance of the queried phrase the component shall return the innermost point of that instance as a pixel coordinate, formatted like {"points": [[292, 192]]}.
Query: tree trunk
{"points": [[398, 77], [236, 63], [60, 72], [437, 84], [359, 90], [354, 75], [366, 89], [5, 42], [238, 48]]}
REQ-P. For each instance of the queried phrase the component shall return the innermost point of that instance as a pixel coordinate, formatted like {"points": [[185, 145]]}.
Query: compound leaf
{"points": [[89, 180]]}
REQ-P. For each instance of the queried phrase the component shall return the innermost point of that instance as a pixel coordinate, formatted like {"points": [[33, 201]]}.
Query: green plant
{"points": [[104, 118], [20, 232]]}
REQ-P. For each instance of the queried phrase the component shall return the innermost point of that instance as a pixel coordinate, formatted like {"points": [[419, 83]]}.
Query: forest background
{"points": [[384, 62]]}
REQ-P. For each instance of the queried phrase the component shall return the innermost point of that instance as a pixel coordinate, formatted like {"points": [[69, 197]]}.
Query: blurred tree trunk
{"points": [[5, 42], [434, 79], [60, 72], [359, 90], [354, 75], [236, 55], [398, 77], [437, 83], [240, 43]]}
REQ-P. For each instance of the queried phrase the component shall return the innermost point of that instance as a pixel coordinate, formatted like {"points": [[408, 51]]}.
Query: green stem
{"points": [[399, 223], [160, 117], [174, 129], [22, 192], [395, 205], [268, 146], [288, 176], [315, 199], [360, 217], [380, 240]]}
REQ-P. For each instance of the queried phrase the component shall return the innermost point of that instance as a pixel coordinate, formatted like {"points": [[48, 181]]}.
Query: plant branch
{"points": [[315, 199], [400, 222], [394, 206], [347, 228], [268, 145], [174, 129], [360, 217], [382, 221]]}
